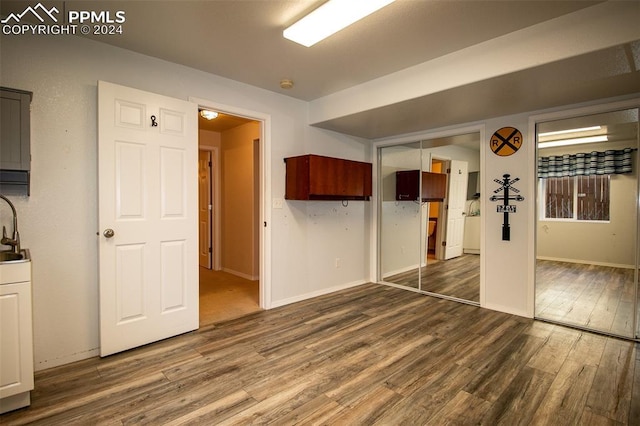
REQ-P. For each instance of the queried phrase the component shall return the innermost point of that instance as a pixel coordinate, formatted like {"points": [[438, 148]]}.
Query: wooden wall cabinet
{"points": [[434, 186], [315, 177]]}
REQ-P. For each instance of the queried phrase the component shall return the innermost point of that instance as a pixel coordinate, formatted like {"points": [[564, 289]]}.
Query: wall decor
{"points": [[506, 141], [505, 208]]}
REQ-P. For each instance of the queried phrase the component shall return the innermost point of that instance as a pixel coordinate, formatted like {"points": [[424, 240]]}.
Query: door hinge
{"points": [[210, 164], [265, 224], [448, 170], [210, 250], [444, 244]]}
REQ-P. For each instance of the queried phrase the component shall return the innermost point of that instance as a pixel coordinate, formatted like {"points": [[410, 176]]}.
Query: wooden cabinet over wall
{"points": [[315, 177], [434, 186]]}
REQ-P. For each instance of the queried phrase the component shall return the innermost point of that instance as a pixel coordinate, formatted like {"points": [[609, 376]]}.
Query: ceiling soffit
{"points": [[609, 73]]}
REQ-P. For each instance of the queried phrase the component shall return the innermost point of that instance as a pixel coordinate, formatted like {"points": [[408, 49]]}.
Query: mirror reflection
{"points": [[430, 216], [587, 222]]}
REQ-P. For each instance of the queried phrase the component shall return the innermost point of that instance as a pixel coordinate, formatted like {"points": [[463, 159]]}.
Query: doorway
{"points": [[229, 205], [436, 210]]}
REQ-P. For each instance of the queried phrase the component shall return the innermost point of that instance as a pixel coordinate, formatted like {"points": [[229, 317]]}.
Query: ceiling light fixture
{"points": [[575, 141], [208, 115], [564, 132], [330, 18], [286, 83]]}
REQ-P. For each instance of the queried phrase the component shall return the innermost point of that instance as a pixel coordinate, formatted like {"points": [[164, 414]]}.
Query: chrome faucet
{"points": [[15, 241]]}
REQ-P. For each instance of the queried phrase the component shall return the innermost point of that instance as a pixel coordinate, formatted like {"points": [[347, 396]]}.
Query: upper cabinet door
{"points": [[15, 130], [315, 177]]}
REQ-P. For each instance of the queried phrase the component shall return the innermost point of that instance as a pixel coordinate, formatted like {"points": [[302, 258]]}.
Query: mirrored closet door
{"points": [[587, 222], [430, 216], [400, 215]]}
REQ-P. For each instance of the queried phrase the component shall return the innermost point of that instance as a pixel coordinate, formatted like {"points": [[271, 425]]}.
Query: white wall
{"points": [[320, 231], [507, 264], [58, 222]]}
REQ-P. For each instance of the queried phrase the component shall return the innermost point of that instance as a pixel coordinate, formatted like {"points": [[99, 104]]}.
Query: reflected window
{"points": [[582, 198]]}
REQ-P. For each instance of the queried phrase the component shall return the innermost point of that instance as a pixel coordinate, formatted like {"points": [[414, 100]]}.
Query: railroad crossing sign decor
{"points": [[506, 141], [506, 188]]}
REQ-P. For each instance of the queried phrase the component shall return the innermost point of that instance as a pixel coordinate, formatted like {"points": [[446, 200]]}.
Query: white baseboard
{"points": [[300, 298], [241, 274], [67, 359], [586, 262], [507, 310], [401, 270]]}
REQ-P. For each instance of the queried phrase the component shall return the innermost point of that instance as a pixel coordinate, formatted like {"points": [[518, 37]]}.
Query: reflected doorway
{"points": [[587, 222], [422, 244]]}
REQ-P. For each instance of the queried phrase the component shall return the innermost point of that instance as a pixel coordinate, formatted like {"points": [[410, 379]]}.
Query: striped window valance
{"points": [[613, 161]]}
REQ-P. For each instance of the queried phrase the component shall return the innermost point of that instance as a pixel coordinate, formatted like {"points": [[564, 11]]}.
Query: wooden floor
{"points": [[458, 277], [597, 297], [371, 355], [225, 296]]}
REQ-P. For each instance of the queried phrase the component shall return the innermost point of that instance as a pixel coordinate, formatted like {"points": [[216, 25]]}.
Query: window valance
{"points": [[613, 161]]}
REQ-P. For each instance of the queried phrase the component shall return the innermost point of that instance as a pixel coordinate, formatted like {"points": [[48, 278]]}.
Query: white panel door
{"points": [[205, 205], [456, 198], [148, 217]]}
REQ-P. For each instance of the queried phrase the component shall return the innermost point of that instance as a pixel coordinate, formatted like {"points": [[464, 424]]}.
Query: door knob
{"points": [[108, 233]]}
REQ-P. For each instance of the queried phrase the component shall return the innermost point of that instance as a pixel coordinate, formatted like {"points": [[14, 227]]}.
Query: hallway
{"points": [[225, 296]]}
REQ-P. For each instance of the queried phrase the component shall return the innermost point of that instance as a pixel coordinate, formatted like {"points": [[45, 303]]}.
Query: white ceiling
{"points": [[242, 40]]}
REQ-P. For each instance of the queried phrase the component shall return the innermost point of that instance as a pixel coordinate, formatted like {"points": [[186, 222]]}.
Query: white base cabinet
{"points": [[471, 240], [16, 336]]}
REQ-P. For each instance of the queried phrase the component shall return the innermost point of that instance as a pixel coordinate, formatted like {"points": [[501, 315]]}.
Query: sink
{"points": [[11, 257]]}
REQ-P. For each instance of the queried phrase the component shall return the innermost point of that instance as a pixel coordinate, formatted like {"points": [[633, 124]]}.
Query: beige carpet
{"points": [[224, 296]]}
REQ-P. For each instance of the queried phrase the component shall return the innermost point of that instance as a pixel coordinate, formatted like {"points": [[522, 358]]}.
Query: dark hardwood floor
{"points": [[370, 355], [458, 277], [593, 296]]}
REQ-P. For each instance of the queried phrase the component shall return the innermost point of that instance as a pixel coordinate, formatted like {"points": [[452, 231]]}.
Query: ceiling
{"points": [[221, 123], [242, 41]]}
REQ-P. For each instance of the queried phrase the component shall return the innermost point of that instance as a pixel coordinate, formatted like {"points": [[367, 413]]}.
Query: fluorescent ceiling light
{"points": [[330, 18], [576, 141], [563, 132], [207, 114]]}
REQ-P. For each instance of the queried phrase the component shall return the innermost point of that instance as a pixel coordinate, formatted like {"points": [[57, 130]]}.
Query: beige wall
{"points": [[209, 138], [239, 203]]}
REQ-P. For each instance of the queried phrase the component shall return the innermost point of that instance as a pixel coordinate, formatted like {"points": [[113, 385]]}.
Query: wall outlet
{"points": [[338, 262], [277, 203]]}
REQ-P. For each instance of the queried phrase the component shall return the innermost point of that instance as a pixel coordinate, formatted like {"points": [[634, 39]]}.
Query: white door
{"points": [[205, 206], [456, 198], [148, 217]]}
